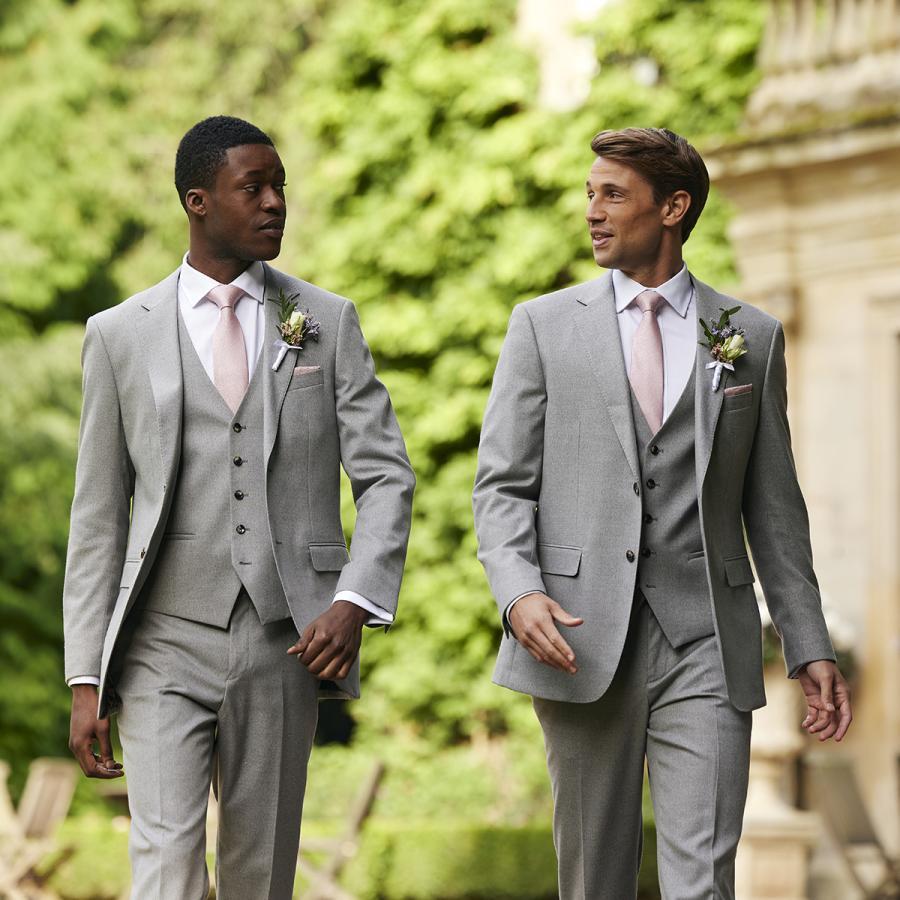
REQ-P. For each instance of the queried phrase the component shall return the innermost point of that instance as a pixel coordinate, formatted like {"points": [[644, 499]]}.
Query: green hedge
{"points": [[452, 861]]}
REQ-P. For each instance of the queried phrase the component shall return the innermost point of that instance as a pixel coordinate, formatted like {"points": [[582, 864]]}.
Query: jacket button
{"points": [[651, 483], [238, 461], [645, 552], [237, 427], [629, 555], [654, 450], [240, 529], [238, 495], [637, 490]]}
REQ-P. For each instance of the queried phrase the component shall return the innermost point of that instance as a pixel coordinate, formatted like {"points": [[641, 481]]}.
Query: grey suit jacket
{"points": [[556, 508], [314, 422]]}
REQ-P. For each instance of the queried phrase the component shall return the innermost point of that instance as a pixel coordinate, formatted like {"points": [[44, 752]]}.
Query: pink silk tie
{"points": [[646, 373], [230, 373]]}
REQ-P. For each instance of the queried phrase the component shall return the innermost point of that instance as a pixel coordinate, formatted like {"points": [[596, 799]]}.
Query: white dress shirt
{"points": [[200, 318], [677, 319]]}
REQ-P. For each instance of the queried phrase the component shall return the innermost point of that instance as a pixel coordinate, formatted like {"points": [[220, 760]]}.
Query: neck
{"points": [[656, 273], [223, 270]]}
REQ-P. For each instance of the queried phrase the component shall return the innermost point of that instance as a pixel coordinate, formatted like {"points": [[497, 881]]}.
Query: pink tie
{"points": [[646, 374], [229, 351]]}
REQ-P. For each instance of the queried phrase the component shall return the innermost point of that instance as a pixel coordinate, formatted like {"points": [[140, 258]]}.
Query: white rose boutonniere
{"points": [[294, 326]]}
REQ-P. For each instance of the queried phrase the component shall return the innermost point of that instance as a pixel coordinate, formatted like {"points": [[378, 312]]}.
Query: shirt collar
{"points": [[677, 291], [196, 285]]}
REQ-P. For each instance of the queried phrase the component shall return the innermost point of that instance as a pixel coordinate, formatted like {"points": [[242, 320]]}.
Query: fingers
{"points": [[303, 640], [107, 760], [541, 639], [91, 764], [845, 718], [561, 616]]}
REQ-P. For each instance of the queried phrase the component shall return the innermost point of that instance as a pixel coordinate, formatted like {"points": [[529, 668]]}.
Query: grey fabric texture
{"points": [[203, 703], [313, 422], [556, 510], [672, 577], [203, 559], [671, 705]]}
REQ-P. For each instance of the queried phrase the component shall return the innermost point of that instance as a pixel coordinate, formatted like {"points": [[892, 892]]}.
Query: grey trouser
{"points": [[670, 707], [197, 700]]}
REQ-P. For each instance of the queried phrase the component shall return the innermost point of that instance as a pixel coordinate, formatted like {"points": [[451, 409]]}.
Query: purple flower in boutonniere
{"points": [[725, 343], [294, 326]]}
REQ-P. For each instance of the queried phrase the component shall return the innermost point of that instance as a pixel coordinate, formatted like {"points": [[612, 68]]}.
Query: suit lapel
{"points": [[275, 384], [708, 404], [597, 330], [158, 327]]}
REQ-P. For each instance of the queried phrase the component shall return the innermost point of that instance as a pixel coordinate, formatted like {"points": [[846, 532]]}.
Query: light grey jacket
{"points": [[556, 508], [313, 423]]}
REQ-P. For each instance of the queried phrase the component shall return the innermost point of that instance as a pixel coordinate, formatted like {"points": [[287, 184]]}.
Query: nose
{"points": [[273, 200], [595, 212]]}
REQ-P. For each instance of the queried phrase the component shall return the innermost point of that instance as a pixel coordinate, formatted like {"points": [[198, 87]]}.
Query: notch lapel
{"points": [[597, 330], [275, 384], [158, 328], [708, 403]]}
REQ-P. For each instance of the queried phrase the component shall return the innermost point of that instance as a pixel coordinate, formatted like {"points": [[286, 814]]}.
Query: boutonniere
{"points": [[294, 327], [725, 343]]}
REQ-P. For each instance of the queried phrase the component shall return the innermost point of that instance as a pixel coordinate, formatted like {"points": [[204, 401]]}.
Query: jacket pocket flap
{"points": [[738, 571], [556, 560], [328, 557]]}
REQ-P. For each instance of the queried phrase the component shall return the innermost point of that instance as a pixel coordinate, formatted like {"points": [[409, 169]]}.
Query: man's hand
{"points": [[532, 621], [330, 643], [827, 700], [84, 729]]}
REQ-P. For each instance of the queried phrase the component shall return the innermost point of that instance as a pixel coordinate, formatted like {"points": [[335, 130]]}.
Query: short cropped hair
{"points": [[201, 152], [665, 159]]}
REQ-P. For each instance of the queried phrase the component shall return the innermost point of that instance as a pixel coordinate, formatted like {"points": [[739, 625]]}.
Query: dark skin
{"points": [[641, 236], [235, 222]]}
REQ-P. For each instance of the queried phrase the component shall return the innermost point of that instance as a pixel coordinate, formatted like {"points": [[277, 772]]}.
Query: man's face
{"points": [[625, 222], [245, 209]]}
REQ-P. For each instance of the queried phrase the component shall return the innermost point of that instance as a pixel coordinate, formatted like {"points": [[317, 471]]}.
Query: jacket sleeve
{"points": [[778, 525], [98, 530], [373, 455], [510, 458]]}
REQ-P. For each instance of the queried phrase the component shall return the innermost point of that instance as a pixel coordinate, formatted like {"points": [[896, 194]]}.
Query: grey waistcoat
{"points": [[671, 572], [217, 533]]}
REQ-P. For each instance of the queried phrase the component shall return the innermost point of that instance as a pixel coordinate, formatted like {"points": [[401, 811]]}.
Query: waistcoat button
{"points": [[237, 427], [654, 450], [651, 483], [238, 461], [238, 495], [240, 529]]}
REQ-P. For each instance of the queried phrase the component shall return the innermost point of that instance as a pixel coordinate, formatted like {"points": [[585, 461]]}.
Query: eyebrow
{"points": [[258, 172], [608, 185]]}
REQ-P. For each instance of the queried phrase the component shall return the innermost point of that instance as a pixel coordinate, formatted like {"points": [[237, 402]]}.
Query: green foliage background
{"points": [[423, 181]]}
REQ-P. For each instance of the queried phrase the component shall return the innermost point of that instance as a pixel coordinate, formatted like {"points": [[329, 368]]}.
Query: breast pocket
{"points": [[556, 559], [300, 380]]}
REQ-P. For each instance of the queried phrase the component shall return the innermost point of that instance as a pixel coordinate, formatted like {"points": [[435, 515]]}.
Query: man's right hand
{"points": [[533, 621], [84, 729]]}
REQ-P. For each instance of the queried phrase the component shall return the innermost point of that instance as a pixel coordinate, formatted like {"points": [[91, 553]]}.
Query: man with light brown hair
{"points": [[636, 431]]}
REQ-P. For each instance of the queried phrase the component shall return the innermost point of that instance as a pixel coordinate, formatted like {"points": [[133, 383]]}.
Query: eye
{"points": [[251, 188], [280, 187], [615, 195], [590, 195]]}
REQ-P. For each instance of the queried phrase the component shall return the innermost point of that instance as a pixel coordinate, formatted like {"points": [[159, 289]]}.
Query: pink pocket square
{"points": [[305, 370], [737, 389]]}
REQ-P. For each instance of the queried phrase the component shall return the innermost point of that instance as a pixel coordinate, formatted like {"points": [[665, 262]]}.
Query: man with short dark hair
{"points": [[209, 597], [619, 467]]}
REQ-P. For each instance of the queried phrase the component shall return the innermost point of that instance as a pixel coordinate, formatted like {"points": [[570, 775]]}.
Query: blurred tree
{"points": [[423, 182]]}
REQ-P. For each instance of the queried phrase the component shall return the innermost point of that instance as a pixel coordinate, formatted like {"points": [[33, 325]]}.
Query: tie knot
{"points": [[225, 295], [649, 301]]}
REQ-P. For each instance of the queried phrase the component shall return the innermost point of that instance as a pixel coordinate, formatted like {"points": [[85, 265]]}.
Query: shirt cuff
{"points": [[378, 616], [84, 679]]}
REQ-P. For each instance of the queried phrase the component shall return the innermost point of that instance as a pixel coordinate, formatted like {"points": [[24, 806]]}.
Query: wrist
{"points": [[357, 613]]}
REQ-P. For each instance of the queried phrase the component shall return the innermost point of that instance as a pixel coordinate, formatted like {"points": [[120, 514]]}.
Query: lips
{"points": [[274, 228], [600, 238]]}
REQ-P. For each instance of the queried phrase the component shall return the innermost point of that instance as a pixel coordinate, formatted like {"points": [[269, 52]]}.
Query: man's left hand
{"points": [[827, 700], [329, 644]]}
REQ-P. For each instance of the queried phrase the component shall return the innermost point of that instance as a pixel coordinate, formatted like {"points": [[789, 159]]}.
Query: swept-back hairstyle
{"points": [[202, 150], [664, 159]]}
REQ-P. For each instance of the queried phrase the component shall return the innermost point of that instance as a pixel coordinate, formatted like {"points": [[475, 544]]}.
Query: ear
{"points": [[195, 202], [675, 208]]}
